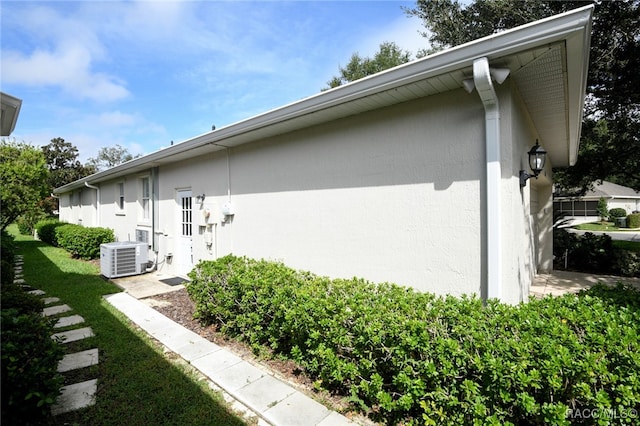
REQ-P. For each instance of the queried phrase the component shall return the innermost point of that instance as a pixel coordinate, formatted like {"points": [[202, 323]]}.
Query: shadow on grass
{"points": [[137, 385]]}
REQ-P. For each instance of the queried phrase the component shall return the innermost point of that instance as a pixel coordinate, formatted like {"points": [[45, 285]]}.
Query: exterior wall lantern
{"points": [[537, 159], [200, 199]]}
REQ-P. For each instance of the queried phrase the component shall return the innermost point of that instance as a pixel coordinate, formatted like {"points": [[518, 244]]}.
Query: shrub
{"points": [[27, 222], [603, 208], [413, 357], [617, 212], [633, 220], [585, 253], [83, 242], [46, 230], [30, 381]]}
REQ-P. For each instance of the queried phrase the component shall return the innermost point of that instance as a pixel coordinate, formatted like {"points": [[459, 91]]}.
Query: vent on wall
{"points": [[142, 236], [123, 258]]}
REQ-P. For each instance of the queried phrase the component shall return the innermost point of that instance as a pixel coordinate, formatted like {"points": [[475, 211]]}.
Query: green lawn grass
{"points": [[598, 226], [137, 384], [627, 245]]}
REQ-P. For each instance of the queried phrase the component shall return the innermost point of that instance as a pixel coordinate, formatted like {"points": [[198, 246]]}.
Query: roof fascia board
{"points": [[538, 33]]}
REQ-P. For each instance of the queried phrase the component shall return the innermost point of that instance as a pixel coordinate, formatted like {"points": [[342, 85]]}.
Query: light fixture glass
{"points": [[537, 160]]}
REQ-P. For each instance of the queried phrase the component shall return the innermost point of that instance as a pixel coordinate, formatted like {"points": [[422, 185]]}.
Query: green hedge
{"points": [[404, 356], [83, 242], [46, 230], [30, 380], [78, 240], [617, 212], [633, 220]]}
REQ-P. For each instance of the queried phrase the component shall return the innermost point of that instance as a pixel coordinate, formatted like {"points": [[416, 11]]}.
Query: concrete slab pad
{"points": [[237, 376], [75, 397], [37, 292], [144, 316], [264, 393], [67, 321], [78, 360], [73, 335], [55, 310], [296, 410], [185, 342], [50, 300], [336, 419], [146, 285], [217, 361]]}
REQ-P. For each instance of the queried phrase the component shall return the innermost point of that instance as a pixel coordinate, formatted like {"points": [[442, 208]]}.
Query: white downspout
{"points": [[482, 80], [97, 201]]}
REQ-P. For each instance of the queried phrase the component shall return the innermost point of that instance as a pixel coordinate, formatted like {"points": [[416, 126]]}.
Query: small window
{"points": [[145, 198], [120, 195]]}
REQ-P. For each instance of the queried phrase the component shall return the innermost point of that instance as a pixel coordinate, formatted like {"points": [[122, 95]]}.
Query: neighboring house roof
{"points": [[10, 111], [605, 189], [548, 60]]}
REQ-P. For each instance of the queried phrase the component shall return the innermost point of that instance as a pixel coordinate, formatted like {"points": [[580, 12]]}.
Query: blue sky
{"points": [[141, 74]]}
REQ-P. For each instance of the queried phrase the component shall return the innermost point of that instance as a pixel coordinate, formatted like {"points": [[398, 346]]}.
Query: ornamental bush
{"points": [[409, 357], [82, 242], [46, 230], [30, 380], [617, 212], [633, 220]]}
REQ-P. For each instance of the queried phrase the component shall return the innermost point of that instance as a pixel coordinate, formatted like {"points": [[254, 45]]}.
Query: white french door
{"points": [[184, 241]]}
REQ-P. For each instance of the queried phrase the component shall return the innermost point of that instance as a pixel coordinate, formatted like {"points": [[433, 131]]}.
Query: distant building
{"points": [[585, 208]]}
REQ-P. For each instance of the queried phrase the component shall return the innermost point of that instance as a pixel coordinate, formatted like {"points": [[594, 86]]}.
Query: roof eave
{"points": [[573, 25]]}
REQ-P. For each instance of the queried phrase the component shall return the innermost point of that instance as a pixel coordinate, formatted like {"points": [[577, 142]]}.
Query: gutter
{"points": [[97, 201], [482, 80]]}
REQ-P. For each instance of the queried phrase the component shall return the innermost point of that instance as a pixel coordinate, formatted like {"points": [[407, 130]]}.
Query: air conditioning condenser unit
{"points": [[123, 258]]}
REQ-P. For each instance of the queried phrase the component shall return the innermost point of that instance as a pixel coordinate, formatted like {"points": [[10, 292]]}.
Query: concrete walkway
{"points": [[557, 283], [273, 400]]}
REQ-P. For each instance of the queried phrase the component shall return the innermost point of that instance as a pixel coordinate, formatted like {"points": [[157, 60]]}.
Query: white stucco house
{"points": [[410, 175], [583, 209]]}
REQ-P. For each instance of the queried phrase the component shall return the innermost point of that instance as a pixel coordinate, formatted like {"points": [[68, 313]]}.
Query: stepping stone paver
{"points": [[50, 300], [73, 335], [75, 397], [54, 310], [19, 281], [37, 292], [67, 321], [78, 360]]}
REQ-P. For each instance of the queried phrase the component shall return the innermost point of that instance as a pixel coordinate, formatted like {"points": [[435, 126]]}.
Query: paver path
{"points": [[77, 395]]}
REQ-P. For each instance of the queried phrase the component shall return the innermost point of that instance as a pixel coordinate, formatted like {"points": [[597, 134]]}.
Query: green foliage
{"points": [[30, 381], [633, 220], [81, 242], [23, 174], [406, 357], [617, 212], [388, 56], [110, 157], [603, 208], [46, 230], [7, 258], [63, 164], [27, 222]]}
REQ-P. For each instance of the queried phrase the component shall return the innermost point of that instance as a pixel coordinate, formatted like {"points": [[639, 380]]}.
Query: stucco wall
{"points": [[391, 195], [395, 194]]}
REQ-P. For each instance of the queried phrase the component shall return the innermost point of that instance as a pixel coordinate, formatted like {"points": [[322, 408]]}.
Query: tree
{"points": [[603, 209], [23, 173], [110, 157], [62, 161], [388, 56], [610, 143]]}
